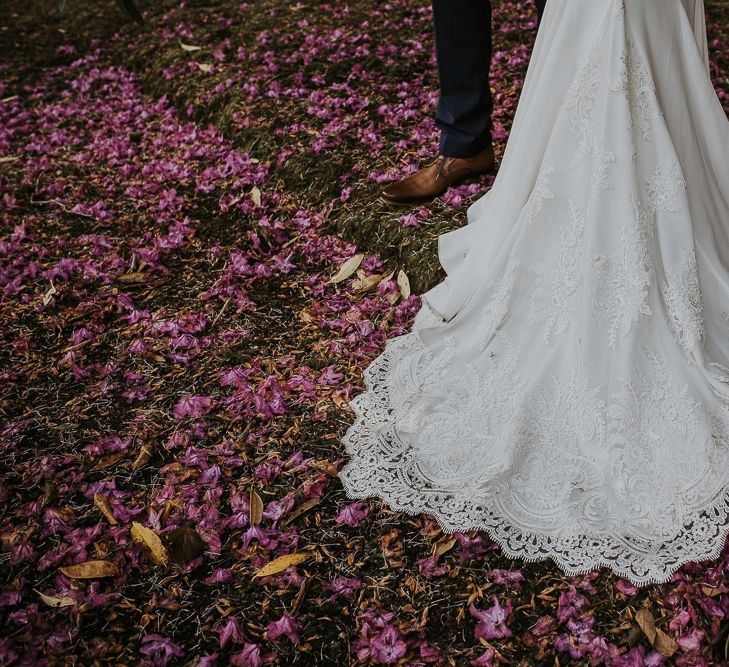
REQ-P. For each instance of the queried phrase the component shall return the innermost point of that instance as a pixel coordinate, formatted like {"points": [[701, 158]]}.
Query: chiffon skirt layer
{"points": [[566, 387]]}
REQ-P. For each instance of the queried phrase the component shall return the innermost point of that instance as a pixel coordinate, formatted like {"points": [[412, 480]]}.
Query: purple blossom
{"points": [[11, 597], [287, 626], [544, 626], [261, 535], [160, 649], [409, 220], [379, 640], [582, 641], [229, 631], [473, 548], [352, 515], [252, 656], [570, 603], [387, 647], [486, 659], [219, 576], [680, 621], [690, 642], [430, 569], [510, 578], [626, 587], [192, 406], [342, 587], [492, 622]]}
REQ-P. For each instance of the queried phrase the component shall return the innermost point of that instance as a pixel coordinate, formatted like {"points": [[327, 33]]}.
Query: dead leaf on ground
{"points": [[184, 544], [102, 504], [91, 569], [403, 283], [303, 588], [145, 453], [326, 467], [55, 602], [150, 542], [134, 277], [662, 642], [348, 268], [340, 402], [363, 282], [389, 276], [108, 460], [298, 511], [190, 47], [256, 508], [280, 564], [444, 547], [49, 294]]}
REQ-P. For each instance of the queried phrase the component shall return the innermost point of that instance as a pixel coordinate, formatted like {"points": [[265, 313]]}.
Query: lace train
{"points": [[557, 389], [385, 466]]}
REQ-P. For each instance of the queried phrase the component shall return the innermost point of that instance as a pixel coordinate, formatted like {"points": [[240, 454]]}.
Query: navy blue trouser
{"points": [[463, 49]]}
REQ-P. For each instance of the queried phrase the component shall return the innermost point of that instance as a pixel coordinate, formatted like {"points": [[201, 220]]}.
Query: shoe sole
{"points": [[407, 202], [423, 200]]}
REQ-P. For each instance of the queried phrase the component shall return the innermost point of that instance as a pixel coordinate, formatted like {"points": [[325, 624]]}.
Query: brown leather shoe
{"points": [[434, 179]]}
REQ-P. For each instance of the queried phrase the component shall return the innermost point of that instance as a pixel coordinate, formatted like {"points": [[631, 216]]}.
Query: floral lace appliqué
{"points": [[620, 285], [554, 297], [684, 303]]}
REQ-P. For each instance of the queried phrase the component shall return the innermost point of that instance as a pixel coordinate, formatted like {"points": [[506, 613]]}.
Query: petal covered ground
{"points": [[176, 359]]}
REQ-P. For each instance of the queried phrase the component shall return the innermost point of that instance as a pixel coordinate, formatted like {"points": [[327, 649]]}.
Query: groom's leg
{"points": [[540, 7], [463, 49]]}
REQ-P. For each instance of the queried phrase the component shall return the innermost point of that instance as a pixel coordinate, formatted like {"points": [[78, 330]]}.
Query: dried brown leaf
{"points": [[647, 624], [49, 294], [135, 277], [301, 594], [150, 543], [256, 508], [347, 269], [145, 453], [280, 564], [444, 547], [327, 467], [340, 402], [91, 569], [55, 602], [362, 284], [304, 507], [662, 642], [102, 504], [387, 277], [184, 544], [403, 283]]}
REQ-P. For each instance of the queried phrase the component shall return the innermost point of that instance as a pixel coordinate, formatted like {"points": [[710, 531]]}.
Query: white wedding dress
{"points": [[566, 387]]}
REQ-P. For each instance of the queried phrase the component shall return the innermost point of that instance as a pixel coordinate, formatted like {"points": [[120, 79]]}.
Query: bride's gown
{"points": [[566, 386]]}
